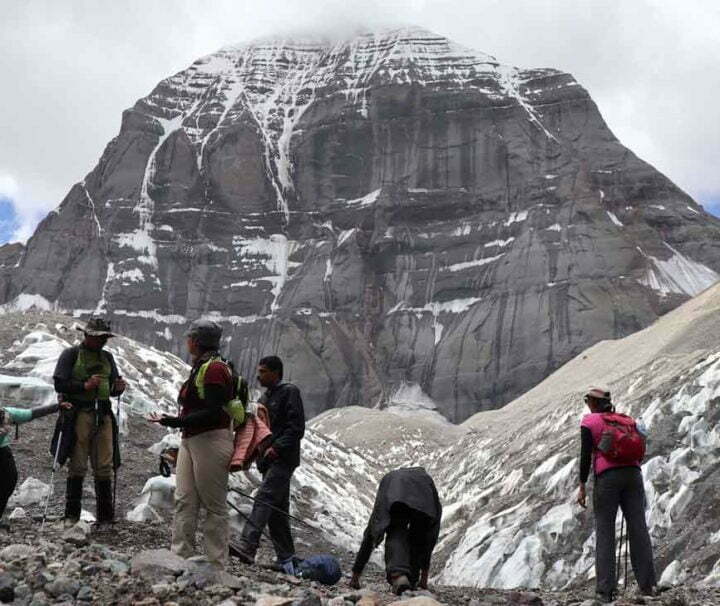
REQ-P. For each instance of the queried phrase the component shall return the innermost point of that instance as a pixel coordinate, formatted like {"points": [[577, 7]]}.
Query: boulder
{"points": [[154, 563]]}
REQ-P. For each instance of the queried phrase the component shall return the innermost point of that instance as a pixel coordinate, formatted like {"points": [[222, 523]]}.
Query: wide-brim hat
{"points": [[97, 327]]}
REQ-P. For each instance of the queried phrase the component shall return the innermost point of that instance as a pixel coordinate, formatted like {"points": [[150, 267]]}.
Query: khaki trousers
{"points": [[92, 442], [202, 480]]}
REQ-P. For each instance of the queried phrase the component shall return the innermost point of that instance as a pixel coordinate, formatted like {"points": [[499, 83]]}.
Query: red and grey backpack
{"points": [[621, 441]]}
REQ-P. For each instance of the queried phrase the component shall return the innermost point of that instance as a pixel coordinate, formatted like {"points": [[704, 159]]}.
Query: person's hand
{"points": [[271, 454], [120, 385], [423, 584], [355, 581], [582, 496], [164, 420], [93, 383], [155, 417], [66, 405]]}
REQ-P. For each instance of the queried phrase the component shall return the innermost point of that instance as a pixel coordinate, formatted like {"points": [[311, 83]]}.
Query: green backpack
{"points": [[238, 404]]}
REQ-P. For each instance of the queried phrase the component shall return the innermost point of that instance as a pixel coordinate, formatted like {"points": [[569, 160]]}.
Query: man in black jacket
{"points": [[287, 423], [88, 377], [407, 515]]}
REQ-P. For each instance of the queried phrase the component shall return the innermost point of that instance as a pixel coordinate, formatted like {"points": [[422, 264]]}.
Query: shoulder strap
{"points": [[199, 380]]}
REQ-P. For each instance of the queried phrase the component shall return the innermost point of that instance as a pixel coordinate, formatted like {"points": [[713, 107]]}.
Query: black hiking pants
{"points": [[621, 487], [407, 543], [275, 491], [8, 477]]}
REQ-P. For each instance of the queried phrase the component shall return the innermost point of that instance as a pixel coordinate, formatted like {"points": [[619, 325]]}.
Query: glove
{"points": [[171, 422]]}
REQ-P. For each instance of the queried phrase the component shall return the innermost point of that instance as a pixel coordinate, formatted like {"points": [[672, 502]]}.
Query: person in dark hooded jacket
{"points": [[407, 515]]}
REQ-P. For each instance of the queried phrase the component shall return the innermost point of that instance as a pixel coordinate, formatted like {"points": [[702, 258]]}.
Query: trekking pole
{"points": [[627, 541], [115, 474], [618, 563], [285, 513], [52, 479], [247, 519]]}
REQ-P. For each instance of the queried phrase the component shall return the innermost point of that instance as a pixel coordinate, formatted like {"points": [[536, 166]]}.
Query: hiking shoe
{"points": [[238, 552], [399, 584], [604, 598], [651, 592]]}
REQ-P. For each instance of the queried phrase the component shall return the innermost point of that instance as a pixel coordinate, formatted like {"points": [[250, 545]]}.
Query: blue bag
{"points": [[323, 568]]}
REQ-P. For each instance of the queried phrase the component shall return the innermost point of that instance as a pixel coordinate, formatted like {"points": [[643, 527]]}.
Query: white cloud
{"points": [[28, 213], [8, 186]]}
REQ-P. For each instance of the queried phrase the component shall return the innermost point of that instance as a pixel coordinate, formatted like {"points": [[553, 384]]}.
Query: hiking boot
{"points": [[651, 592], [604, 598], [105, 513], [400, 583], [73, 500], [239, 551]]}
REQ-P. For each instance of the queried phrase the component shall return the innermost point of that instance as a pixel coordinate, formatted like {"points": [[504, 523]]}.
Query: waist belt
{"points": [[104, 406]]}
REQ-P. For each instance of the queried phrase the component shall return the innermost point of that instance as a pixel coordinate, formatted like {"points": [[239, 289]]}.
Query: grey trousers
{"points": [[621, 487], [275, 491]]}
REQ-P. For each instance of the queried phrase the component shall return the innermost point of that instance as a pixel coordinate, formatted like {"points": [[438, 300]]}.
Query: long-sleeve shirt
{"points": [[287, 421], [66, 383], [586, 448]]}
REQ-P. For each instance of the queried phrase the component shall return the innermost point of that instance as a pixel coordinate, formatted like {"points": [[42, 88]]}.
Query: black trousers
{"points": [[275, 491], [8, 476], [407, 543], [621, 487]]}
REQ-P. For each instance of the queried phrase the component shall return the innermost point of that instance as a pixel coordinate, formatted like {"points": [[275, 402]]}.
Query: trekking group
{"points": [[221, 431]]}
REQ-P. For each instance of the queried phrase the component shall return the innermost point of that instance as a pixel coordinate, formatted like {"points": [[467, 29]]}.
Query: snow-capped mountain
{"points": [[388, 212]]}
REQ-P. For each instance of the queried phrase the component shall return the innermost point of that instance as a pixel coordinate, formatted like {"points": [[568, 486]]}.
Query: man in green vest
{"points": [[87, 376]]}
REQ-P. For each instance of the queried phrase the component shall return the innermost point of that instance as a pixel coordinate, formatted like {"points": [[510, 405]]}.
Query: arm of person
{"points": [[363, 555], [586, 448], [295, 427], [63, 375], [431, 537], [16, 416], [210, 416], [117, 383]]}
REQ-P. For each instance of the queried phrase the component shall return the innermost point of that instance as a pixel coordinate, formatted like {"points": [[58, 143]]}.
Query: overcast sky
{"points": [[68, 70]]}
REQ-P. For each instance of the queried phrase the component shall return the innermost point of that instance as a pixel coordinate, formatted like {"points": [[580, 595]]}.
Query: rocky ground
{"points": [[128, 565]]}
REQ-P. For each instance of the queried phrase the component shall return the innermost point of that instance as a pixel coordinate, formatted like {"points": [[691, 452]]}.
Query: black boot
{"points": [[73, 499], [105, 506]]}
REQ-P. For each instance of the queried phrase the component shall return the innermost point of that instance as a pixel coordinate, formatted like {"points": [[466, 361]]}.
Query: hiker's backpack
{"points": [[621, 441], [323, 568], [238, 404]]}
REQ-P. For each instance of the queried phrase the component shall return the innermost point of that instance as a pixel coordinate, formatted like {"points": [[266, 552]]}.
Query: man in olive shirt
{"points": [[88, 377]]}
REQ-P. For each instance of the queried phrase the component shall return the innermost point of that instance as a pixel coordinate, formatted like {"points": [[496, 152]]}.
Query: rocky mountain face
{"points": [[387, 213]]}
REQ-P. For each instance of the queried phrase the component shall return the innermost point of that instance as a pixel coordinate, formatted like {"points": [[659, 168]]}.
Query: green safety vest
{"points": [[236, 406], [91, 363]]}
